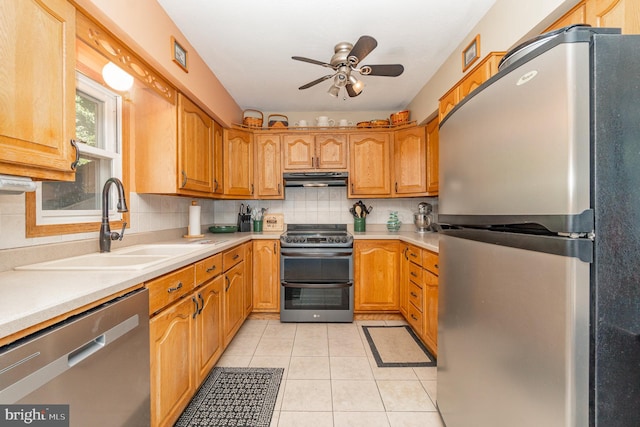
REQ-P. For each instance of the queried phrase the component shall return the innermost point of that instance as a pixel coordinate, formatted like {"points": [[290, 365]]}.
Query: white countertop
{"points": [[28, 298]]}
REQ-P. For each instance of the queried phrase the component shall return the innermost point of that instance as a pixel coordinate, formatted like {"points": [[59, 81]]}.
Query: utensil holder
{"points": [[257, 226], [359, 224]]}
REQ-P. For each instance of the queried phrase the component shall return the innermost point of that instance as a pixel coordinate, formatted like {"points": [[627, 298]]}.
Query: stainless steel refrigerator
{"points": [[539, 311]]}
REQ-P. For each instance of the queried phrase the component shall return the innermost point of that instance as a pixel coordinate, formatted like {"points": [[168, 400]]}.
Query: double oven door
{"points": [[317, 284]]}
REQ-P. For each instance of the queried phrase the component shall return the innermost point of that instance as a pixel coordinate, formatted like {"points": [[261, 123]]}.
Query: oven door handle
{"points": [[317, 285], [314, 254]]}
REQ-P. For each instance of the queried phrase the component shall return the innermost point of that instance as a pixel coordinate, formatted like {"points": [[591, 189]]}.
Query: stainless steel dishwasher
{"points": [[97, 362]]}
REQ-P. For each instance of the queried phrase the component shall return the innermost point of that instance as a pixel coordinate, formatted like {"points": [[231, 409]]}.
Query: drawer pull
{"points": [[210, 269], [236, 256], [414, 274], [414, 317], [435, 265], [413, 254], [176, 288], [413, 294]]}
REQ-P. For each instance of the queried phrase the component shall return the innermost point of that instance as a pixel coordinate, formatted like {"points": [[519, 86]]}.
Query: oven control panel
{"points": [[317, 241]]}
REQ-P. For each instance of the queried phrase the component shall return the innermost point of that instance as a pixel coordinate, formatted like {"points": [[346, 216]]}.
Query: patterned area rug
{"points": [[239, 397], [397, 346]]}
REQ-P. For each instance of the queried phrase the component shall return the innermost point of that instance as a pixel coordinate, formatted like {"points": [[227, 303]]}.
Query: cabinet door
{"points": [[410, 157], [377, 274], [218, 161], [298, 152], [238, 163], [624, 14], [266, 276], [233, 305], [208, 328], [37, 94], [433, 169], [370, 165], [331, 152], [248, 274], [268, 167], [195, 147], [574, 16], [430, 330], [172, 379]]}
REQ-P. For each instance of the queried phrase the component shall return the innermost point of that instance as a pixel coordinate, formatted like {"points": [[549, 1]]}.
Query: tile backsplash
{"points": [[150, 213]]}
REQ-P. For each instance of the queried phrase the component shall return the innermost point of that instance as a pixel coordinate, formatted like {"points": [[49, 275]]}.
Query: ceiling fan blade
{"points": [[352, 93], [315, 82], [362, 48], [311, 61], [388, 70]]}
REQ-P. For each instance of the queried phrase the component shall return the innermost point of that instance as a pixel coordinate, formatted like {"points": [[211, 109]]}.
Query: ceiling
{"points": [[248, 45]]}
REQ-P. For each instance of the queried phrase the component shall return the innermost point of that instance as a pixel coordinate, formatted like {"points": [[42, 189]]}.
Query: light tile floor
{"points": [[330, 377]]}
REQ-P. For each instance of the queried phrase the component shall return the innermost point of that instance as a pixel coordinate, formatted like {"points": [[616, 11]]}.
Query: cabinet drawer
{"points": [[232, 257], [430, 261], [208, 268], [415, 273], [415, 318], [414, 254], [170, 287], [416, 296]]}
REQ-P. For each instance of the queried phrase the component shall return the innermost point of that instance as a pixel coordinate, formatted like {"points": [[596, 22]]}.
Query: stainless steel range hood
{"points": [[315, 179]]}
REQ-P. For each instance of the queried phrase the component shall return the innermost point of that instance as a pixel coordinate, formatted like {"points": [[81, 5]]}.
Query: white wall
{"points": [[508, 23]]}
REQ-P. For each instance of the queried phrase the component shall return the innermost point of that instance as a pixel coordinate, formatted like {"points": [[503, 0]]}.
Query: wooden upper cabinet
{"points": [[577, 15], [410, 158], [433, 150], [238, 163], [218, 168], [269, 167], [331, 152], [298, 152], [474, 78], [310, 152], [370, 164], [195, 147], [37, 94], [624, 14]]}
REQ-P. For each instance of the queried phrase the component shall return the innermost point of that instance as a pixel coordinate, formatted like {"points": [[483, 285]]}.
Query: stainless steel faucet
{"points": [[106, 236]]}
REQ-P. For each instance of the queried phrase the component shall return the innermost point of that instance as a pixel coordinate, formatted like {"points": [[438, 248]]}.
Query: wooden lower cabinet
{"points": [[233, 311], [377, 275], [172, 337], [419, 293], [190, 328], [266, 276]]}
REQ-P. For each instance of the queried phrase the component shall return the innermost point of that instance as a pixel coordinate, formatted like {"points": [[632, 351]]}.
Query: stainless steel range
{"points": [[316, 273]]}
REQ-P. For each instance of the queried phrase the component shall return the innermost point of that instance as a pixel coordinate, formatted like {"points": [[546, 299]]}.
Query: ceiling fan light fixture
{"points": [[356, 85], [334, 91]]}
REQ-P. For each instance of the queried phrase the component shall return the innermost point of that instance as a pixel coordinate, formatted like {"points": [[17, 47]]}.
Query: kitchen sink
{"points": [[136, 257]]}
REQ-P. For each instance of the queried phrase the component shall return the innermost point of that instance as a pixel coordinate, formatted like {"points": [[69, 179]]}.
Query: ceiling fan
{"points": [[345, 60]]}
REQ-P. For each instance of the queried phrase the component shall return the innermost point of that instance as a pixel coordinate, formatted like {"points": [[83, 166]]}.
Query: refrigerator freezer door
{"points": [[513, 336], [517, 150]]}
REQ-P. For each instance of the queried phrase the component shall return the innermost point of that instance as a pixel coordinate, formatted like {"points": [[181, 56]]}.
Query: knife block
{"points": [[244, 222]]}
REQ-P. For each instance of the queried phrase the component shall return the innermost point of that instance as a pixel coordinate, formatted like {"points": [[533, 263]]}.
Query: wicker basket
{"points": [[363, 124], [379, 123], [282, 122], [399, 118], [252, 122]]}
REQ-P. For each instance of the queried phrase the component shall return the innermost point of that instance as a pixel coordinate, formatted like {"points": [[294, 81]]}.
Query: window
{"points": [[98, 118]]}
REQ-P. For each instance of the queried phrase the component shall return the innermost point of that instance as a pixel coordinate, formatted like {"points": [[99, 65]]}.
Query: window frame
{"points": [[36, 229]]}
